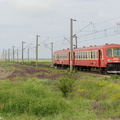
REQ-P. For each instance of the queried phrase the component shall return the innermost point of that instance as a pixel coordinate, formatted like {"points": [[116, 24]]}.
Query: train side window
{"points": [[83, 55], [80, 55], [67, 55], [96, 54], [88, 55], [57, 56], [75, 55], [109, 52], [92, 55]]}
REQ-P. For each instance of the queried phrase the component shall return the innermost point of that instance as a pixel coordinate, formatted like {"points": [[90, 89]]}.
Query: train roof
{"points": [[90, 48], [99, 46]]}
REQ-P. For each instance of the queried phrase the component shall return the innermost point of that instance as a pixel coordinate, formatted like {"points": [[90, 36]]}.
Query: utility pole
{"points": [[3, 55], [52, 53], [9, 55], [37, 50], [75, 41], [17, 56], [71, 44], [28, 55], [22, 52], [13, 53]]}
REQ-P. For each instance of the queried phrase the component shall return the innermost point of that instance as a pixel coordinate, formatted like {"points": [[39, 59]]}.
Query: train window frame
{"points": [[63, 56], [93, 55]]}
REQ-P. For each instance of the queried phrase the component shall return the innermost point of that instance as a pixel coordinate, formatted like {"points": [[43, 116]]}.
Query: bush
{"points": [[33, 98], [66, 84], [115, 76]]}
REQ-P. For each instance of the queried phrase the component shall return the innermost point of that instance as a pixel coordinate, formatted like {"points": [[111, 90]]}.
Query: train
{"points": [[104, 58]]}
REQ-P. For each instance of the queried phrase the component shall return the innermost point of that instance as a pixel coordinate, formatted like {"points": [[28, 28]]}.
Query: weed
{"points": [[66, 83], [115, 76]]}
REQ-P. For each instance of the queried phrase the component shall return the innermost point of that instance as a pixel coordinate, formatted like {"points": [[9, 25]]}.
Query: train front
{"points": [[113, 59]]}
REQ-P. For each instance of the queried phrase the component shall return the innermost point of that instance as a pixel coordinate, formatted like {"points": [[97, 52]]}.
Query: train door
{"points": [[69, 58], [73, 58], [99, 58]]}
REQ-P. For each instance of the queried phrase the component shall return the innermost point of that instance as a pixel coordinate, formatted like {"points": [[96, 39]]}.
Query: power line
{"points": [[99, 37]]}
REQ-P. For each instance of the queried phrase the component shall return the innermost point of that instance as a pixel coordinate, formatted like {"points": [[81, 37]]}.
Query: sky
{"points": [[97, 22]]}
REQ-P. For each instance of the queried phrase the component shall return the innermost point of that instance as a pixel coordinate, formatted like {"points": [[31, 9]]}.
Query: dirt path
{"points": [[4, 72]]}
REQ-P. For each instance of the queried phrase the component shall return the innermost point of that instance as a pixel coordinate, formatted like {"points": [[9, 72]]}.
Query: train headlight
{"points": [[109, 60]]}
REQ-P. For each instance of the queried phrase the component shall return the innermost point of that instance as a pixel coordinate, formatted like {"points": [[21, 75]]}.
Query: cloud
{"points": [[31, 5], [21, 20]]}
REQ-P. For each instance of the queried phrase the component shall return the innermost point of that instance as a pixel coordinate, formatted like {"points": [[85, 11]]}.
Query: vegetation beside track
{"points": [[33, 93]]}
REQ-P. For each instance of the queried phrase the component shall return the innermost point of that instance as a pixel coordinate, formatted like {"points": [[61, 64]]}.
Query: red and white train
{"points": [[104, 57]]}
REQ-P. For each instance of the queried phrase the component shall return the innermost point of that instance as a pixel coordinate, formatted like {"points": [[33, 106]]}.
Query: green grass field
{"points": [[37, 93]]}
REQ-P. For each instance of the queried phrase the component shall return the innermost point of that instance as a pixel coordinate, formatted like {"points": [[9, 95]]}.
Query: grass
{"points": [[32, 93]]}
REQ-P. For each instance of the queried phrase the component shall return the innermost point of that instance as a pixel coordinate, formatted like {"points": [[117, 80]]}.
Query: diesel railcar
{"points": [[105, 58]]}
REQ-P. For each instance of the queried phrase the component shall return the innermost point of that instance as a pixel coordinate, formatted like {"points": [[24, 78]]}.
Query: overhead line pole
{"points": [[13, 53], [71, 44], [9, 55], [28, 55], [17, 55], [3, 55], [52, 53], [22, 52], [75, 41], [37, 50]]}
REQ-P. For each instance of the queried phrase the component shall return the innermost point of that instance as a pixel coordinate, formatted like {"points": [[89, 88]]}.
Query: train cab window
{"points": [[116, 52], [109, 52]]}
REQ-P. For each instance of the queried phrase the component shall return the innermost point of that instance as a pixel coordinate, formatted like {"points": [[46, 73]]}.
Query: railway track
{"points": [[4, 72], [96, 73]]}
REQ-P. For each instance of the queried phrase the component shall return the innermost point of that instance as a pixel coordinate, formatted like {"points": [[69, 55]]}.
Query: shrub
{"points": [[115, 76], [66, 84], [33, 98]]}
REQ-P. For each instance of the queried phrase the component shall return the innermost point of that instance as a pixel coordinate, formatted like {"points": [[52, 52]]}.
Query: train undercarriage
{"points": [[111, 68]]}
